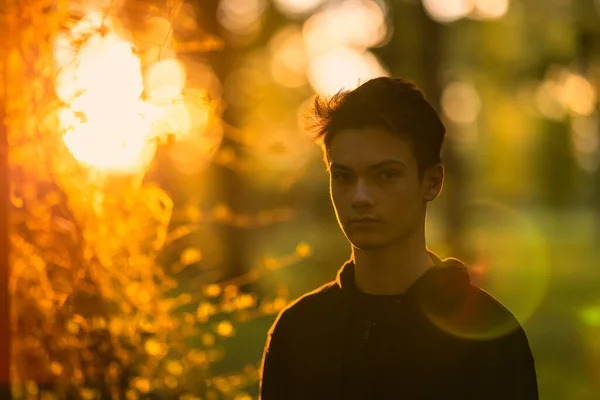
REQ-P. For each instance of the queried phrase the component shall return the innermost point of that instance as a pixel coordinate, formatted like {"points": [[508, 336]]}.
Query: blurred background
{"points": [[166, 201]]}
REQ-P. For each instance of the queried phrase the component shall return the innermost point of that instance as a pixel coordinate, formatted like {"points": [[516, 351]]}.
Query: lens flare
{"points": [[512, 264]]}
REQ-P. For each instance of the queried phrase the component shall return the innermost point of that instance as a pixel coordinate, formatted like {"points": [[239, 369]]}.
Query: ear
{"points": [[433, 181]]}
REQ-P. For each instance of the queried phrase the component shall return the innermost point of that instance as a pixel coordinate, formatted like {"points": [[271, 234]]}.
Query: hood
{"points": [[447, 279]]}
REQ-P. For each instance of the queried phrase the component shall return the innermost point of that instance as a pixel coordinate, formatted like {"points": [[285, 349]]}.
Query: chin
{"points": [[368, 244]]}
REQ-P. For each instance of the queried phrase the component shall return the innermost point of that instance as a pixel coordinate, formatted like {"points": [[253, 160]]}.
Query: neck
{"points": [[393, 269]]}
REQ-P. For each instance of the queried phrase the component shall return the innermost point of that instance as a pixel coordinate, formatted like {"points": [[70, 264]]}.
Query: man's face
{"points": [[375, 187]]}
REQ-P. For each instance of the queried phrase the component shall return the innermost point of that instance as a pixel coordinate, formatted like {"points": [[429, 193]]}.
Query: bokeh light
{"points": [[577, 93], [343, 69], [241, 17], [564, 92], [448, 10], [195, 150], [288, 57], [585, 138], [547, 101], [490, 9], [461, 102], [356, 24], [297, 8], [165, 79]]}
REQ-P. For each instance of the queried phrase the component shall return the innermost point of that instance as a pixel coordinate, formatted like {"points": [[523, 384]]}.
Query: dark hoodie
{"points": [[441, 339]]}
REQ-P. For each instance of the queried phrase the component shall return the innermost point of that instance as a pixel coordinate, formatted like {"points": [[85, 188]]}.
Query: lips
{"points": [[364, 221]]}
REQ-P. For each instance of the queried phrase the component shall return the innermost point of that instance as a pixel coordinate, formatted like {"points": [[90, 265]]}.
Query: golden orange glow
{"points": [[241, 17], [106, 123], [353, 24], [288, 58], [337, 40]]}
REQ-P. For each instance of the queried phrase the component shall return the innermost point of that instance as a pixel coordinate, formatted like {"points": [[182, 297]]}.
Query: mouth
{"points": [[365, 221]]}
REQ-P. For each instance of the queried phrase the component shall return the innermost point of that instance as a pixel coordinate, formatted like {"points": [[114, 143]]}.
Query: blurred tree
{"points": [[97, 314]]}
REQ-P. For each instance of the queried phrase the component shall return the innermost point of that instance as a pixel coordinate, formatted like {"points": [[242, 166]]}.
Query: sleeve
{"points": [[506, 370], [274, 382]]}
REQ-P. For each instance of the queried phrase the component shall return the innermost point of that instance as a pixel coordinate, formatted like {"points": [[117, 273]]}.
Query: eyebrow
{"points": [[371, 167]]}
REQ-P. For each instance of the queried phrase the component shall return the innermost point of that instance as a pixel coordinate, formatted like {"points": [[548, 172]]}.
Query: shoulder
{"points": [[311, 305], [478, 315]]}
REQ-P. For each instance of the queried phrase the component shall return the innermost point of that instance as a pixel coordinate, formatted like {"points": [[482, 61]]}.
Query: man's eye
{"points": [[389, 174], [339, 176]]}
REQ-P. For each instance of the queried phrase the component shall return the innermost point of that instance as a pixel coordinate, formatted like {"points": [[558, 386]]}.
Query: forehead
{"points": [[361, 148]]}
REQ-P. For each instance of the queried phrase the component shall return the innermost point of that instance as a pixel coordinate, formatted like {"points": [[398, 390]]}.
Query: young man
{"points": [[398, 322]]}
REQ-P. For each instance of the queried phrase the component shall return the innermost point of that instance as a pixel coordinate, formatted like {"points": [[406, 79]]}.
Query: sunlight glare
{"points": [[106, 125]]}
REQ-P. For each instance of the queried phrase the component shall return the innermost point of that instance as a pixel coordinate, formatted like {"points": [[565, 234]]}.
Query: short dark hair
{"points": [[394, 104]]}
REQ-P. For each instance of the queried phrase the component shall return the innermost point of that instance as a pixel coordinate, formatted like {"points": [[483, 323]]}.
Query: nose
{"points": [[362, 196]]}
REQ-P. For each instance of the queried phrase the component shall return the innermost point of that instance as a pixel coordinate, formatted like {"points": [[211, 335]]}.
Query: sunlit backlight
{"points": [[356, 24], [343, 69], [448, 10], [294, 8], [241, 17], [490, 9], [106, 124], [461, 103]]}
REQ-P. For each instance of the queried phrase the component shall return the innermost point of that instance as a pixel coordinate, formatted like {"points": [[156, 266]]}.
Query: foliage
{"points": [[95, 313]]}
